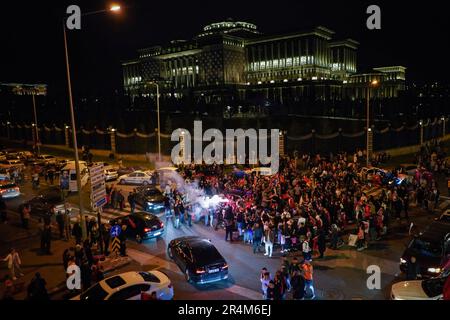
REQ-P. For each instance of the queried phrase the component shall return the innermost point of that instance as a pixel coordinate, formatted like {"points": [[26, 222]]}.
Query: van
{"points": [[68, 176]]}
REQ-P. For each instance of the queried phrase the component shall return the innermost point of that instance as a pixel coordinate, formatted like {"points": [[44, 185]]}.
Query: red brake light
{"points": [[146, 229], [162, 224], [200, 271]]}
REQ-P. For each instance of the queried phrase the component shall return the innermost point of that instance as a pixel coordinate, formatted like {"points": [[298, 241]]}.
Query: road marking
{"points": [[245, 292], [144, 258]]}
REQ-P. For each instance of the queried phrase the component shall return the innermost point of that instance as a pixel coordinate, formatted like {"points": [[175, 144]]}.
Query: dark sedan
{"points": [[46, 203], [198, 259], [142, 226], [150, 199]]}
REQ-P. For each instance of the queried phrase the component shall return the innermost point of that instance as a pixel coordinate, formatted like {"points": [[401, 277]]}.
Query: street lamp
{"points": [[443, 126], [113, 8], [369, 135], [157, 111]]}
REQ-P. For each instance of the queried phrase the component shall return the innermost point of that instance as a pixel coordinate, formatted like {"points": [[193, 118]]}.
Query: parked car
{"points": [[47, 202], [137, 177], [9, 189], [129, 286], [4, 174], [9, 164], [428, 289], [142, 226], [150, 199], [126, 170], [45, 160], [198, 259], [111, 174], [430, 248]]}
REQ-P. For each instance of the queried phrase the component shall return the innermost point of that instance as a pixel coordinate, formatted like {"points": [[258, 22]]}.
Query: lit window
{"points": [[314, 78], [259, 82], [285, 80], [288, 62], [272, 81]]}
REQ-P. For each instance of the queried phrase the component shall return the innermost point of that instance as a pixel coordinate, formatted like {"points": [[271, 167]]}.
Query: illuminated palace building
{"points": [[233, 61]]}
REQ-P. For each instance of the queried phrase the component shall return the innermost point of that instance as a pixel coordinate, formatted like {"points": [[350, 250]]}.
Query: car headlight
{"points": [[402, 261], [434, 270]]}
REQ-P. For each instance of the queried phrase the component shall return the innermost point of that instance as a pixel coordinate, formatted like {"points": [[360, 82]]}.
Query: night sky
{"points": [[412, 35]]}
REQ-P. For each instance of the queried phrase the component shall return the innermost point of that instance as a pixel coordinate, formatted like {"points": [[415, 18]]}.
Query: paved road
{"points": [[340, 275]]}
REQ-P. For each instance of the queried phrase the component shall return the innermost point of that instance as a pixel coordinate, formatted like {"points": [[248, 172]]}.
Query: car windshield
{"points": [[434, 287], [427, 248], [94, 293]]}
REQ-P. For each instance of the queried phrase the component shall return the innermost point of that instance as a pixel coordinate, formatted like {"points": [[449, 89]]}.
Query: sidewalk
{"points": [[27, 243]]}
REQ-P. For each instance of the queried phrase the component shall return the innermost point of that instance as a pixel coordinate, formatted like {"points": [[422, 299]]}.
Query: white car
{"points": [[111, 174], [136, 177], [428, 289], [47, 159], [130, 286], [9, 189]]}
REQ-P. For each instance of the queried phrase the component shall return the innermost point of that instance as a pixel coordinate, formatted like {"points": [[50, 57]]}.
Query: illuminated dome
{"points": [[238, 28]]}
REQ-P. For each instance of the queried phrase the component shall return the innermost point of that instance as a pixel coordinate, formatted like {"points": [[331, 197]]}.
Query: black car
{"points": [[142, 226], [47, 202], [198, 259], [150, 199], [429, 248]]}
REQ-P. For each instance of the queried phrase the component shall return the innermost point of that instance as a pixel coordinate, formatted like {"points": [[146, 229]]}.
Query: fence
{"points": [[136, 142]]}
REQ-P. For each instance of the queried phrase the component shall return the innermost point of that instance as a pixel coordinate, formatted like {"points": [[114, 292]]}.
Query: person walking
{"points": [[121, 200], [269, 239], [308, 274], [14, 263], [46, 239], [321, 243], [26, 215]]}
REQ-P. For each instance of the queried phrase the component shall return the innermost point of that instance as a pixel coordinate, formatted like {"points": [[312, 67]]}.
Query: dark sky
{"points": [[414, 35]]}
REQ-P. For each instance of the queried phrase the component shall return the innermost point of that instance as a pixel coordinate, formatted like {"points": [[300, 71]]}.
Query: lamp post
{"points": [[369, 134], [421, 132], [113, 8], [443, 126], [157, 111], [37, 147]]}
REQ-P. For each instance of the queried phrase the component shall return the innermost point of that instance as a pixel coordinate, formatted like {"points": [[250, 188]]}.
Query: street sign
{"points": [[98, 188], [115, 245], [115, 231]]}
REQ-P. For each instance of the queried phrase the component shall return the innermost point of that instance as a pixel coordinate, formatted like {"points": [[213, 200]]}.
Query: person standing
{"points": [[26, 210], [131, 200], [77, 232], [412, 269], [306, 247], [3, 215], [14, 263], [105, 237], [60, 220], [321, 243], [257, 237], [264, 278], [269, 239], [47, 239], [298, 285], [123, 241]]}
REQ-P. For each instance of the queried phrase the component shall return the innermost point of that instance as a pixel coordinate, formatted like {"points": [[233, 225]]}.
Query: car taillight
{"points": [[17, 189], [225, 266], [161, 224], [147, 229], [200, 270]]}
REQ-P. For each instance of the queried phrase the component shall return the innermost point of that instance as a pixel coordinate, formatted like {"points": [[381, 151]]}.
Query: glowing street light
{"points": [[114, 8]]}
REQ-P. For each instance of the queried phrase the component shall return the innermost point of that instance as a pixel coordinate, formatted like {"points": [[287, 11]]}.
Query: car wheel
{"points": [[145, 183], [187, 276], [138, 239], [169, 253], [122, 181]]}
